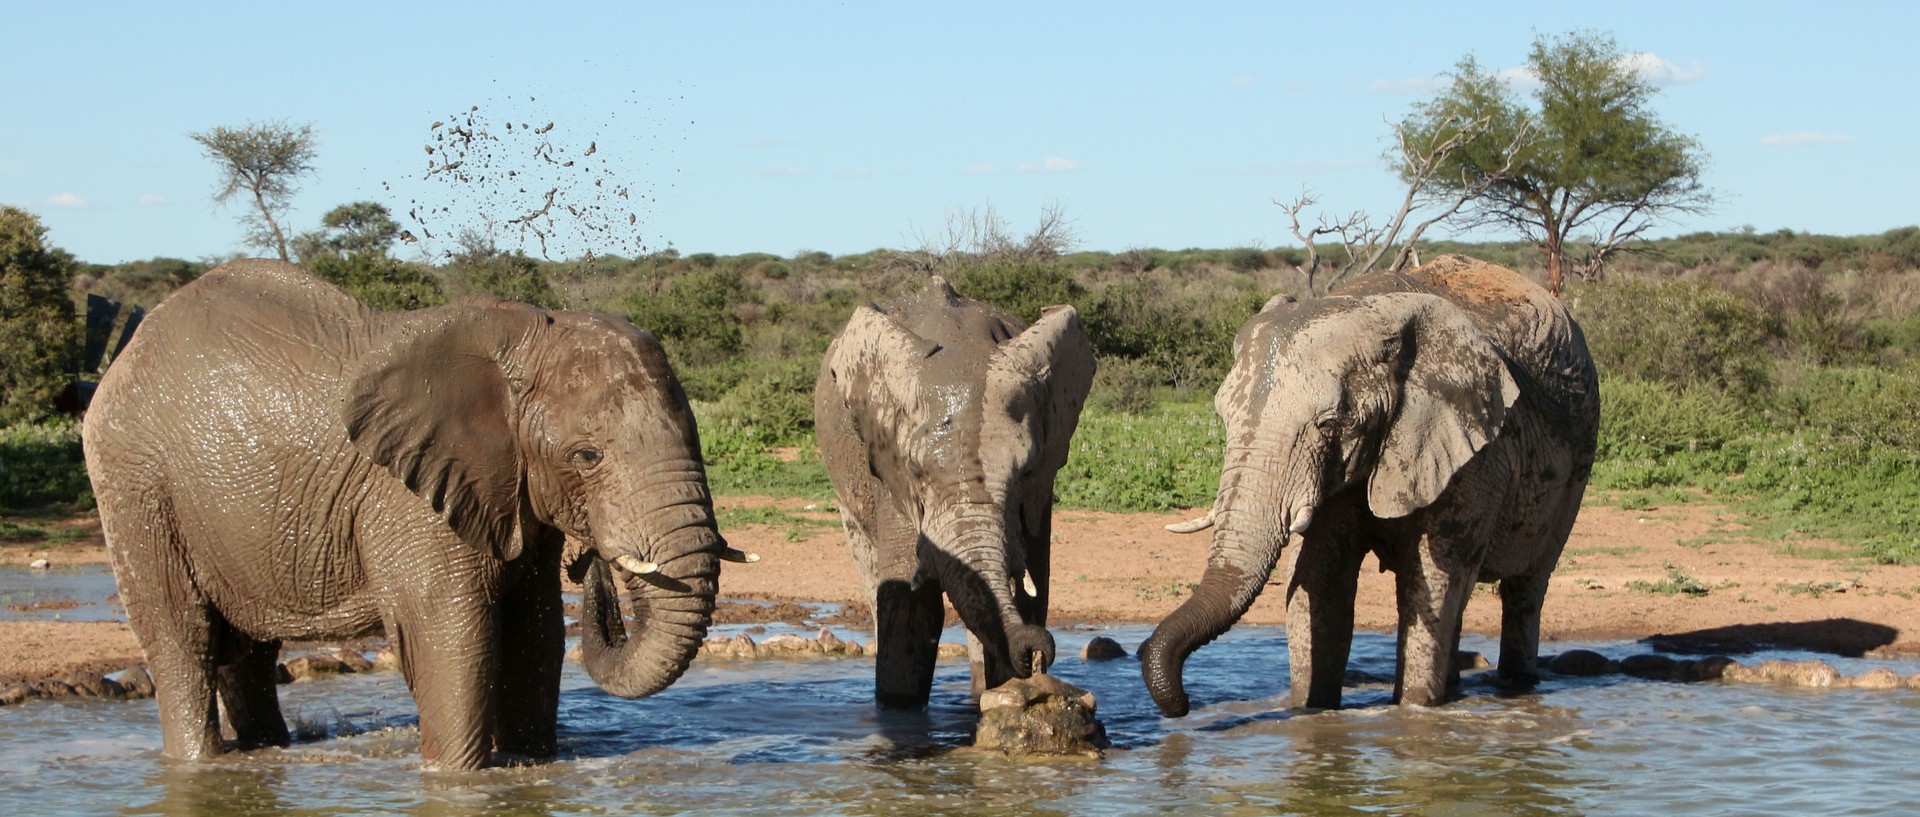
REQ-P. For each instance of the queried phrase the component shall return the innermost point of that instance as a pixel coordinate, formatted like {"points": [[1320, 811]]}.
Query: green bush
{"points": [[41, 464], [39, 335], [514, 276], [693, 315], [1125, 386], [1161, 460], [381, 282], [1022, 288], [1675, 332]]}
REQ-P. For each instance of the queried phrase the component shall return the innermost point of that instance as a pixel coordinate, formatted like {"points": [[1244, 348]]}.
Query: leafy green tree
{"points": [[514, 276], [264, 161], [361, 227], [1591, 161], [379, 281], [39, 337]]}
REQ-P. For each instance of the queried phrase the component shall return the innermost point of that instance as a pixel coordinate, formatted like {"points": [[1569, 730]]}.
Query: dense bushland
{"points": [[1779, 372]]}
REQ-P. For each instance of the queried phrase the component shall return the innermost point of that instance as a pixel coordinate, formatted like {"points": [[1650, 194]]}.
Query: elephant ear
{"points": [[432, 404], [875, 366], [1455, 390], [1055, 355]]}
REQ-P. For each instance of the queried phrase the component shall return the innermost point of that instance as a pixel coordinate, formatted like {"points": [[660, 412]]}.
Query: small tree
{"points": [[358, 228], [1600, 166], [39, 338], [264, 161]]}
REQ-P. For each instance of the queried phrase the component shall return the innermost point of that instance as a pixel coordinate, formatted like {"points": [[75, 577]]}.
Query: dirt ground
{"points": [[1683, 576]]}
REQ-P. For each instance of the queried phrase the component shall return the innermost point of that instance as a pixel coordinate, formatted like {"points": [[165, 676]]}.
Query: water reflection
{"points": [[776, 737]]}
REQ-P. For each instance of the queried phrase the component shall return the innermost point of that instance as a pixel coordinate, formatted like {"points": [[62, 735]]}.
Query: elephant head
{"points": [[516, 422], [1388, 395], [965, 418]]}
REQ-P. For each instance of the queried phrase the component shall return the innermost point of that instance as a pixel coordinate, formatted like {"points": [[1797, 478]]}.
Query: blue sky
{"points": [[846, 127]]}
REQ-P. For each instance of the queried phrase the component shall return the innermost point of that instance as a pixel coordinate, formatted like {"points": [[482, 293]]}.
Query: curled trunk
{"points": [[1246, 544], [971, 561], [672, 609]]}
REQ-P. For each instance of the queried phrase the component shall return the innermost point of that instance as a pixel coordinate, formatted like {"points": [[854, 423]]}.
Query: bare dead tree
{"points": [[982, 234], [1363, 244]]}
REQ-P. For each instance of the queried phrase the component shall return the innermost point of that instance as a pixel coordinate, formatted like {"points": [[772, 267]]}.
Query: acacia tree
{"points": [[356, 228], [1599, 169], [264, 160], [39, 338]]}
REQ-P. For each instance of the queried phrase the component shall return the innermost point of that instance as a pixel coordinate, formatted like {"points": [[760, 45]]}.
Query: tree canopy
{"points": [[263, 160], [1590, 163], [39, 338], [350, 229]]}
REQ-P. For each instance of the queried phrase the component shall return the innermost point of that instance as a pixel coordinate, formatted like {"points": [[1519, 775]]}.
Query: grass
{"points": [[1677, 583], [797, 527], [1162, 459]]}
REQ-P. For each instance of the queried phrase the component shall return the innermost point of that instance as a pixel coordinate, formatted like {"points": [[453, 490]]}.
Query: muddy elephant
{"points": [[942, 421], [1444, 420], [274, 460]]}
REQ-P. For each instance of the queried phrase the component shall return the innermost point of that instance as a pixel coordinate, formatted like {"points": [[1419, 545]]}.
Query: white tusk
{"points": [[1194, 525], [1301, 520], [731, 555], [632, 564], [1026, 580]]}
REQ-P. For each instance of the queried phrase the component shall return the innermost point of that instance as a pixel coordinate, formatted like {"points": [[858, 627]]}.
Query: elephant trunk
{"points": [[672, 607], [970, 558], [1248, 535]]}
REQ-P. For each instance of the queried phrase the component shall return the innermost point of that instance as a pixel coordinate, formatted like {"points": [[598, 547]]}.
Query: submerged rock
{"points": [[1579, 662], [1649, 666], [315, 665], [1877, 678], [1797, 673], [1102, 648], [1040, 716]]}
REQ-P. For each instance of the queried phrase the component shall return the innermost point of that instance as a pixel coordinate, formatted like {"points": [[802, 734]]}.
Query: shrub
{"points": [[41, 463], [1125, 386], [1675, 332], [693, 316], [39, 336], [1022, 288], [381, 282]]}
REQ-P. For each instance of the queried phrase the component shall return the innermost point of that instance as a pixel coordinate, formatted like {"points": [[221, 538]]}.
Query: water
{"points": [[45, 595], [776, 737]]}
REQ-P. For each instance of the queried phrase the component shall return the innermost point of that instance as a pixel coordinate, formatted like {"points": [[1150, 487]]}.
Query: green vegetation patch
{"points": [[41, 465]]}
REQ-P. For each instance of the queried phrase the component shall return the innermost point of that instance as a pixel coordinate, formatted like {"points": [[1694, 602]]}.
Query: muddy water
{"points": [[776, 737]]}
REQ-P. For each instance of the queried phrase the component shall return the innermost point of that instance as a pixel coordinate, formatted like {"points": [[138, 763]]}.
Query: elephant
{"points": [[942, 421], [275, 460], [1443, 419]]}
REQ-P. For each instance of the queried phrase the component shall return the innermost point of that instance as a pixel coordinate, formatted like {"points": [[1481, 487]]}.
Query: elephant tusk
{"points": [[1026, 580], [633, 564], [1194, 525], [741, 556], [1300, 521]]}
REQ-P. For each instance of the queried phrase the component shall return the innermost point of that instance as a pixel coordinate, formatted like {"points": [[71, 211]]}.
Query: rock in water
{"points": [[1040, 715], [1102, 648]]}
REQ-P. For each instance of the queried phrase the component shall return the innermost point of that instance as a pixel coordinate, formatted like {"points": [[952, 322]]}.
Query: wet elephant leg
{"points": [[907, 627], [1521, 598], [532, 649], [1320, 595], [446, 655], [171, 620], [249, 697], [1432, 597], [977, 665]]}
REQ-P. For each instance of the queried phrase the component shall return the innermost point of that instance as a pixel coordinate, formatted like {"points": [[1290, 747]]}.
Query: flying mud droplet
{"points": [[530, 188]]}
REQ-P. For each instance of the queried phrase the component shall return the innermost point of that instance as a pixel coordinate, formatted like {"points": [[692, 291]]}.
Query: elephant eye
{"points": [[585, 457], [1328, 423]]}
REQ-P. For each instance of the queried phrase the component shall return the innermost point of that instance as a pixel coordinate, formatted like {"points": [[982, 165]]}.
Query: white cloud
{"points": [[1239, 80], [154, 199], [1803, 139], [779, 170], [982, 169], [1660, 70], [73, 201], [1051, 164]]}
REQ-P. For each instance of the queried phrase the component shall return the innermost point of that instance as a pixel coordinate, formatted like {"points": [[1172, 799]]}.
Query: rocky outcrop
{"points": [[1810, 673], [1040, 716]]}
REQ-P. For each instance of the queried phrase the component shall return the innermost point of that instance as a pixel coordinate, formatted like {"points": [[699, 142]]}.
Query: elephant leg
{"points": [[977, 665], [448, 658], [249, 697], [169, 617], [1521, 598], [532, 649], [907, 627], [1320, 595], [1432, 597]]}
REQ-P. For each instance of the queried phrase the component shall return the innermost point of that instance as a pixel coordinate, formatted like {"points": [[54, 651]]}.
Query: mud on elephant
{"points": [[274, 460], [1444, 420], [943, 422]]}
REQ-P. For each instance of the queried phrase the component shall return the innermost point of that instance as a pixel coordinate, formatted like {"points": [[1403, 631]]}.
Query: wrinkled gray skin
{"points": [[943, 422], [273, 460], [1444, 420]]}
